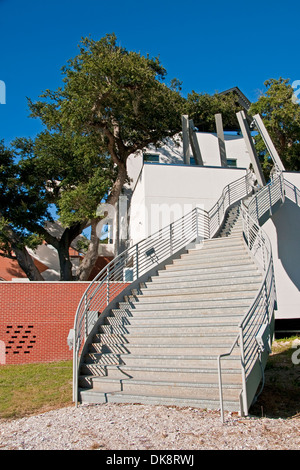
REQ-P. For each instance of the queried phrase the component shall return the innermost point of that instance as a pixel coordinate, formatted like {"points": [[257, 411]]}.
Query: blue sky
{"points": [[209, 46]]}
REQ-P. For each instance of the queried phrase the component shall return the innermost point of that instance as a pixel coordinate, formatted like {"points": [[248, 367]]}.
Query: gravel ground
{"points": [[143, 427]]}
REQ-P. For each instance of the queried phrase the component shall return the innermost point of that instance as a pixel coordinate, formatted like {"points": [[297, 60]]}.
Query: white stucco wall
{"points": [[165, 193], [235, 149], [283, 230], [172, 153]]}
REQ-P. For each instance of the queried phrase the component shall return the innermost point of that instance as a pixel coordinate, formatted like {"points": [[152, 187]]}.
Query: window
{"points": [[231, 162], [151, 157]]}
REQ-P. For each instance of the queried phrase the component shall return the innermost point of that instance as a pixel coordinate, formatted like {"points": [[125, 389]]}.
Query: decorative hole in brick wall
{"points": [[20, 339]]}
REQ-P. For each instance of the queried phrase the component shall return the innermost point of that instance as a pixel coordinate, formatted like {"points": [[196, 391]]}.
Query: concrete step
{"points": [[213, 263], [167, 349], [90, 396], [181, 311], [186, 307], [229, 376], [217, 264], [173, 320], [209, 288], [201, 301], [103, 339], [190, 295], [197, 272], [217, 242], [207, 277], [189, 328], [210, 254], [165, 389], [168, 360], [244, 278]]}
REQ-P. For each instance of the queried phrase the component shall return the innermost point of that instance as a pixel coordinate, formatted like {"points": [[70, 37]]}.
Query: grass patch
{"points": [[34, 388], [280, 396]]}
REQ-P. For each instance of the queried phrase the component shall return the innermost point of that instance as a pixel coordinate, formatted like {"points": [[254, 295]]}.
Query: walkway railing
{"points": [[260, 313], [142, 257]]}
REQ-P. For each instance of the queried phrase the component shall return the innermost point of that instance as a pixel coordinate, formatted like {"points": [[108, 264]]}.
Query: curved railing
{"points": [[258, 320], [142, 257]]}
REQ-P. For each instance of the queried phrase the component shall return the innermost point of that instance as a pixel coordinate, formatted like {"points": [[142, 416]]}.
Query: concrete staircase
{"points": [[160, 345]]}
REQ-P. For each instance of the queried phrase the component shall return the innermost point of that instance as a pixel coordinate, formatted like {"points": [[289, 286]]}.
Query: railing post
{"points": [[197, 224], [86, 317], [107, 286], [296, 197], [270, 199], [171, 238], [137, 260], [263, 249], [245, 401], [220, 389], [256, 204]]}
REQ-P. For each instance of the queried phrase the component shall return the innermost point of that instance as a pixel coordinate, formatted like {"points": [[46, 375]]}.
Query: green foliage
{"points": [[281, 116], [75, 171], [118, 93], [23, 206], [203, 107]]}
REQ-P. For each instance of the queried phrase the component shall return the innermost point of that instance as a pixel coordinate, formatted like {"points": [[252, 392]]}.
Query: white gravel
{"points": [[143, 427]]}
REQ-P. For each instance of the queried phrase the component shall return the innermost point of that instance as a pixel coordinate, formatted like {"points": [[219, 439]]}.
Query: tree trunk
{"points": [[89, 261], [24, 259], [27, 264], [91, 257], [62, 246]]}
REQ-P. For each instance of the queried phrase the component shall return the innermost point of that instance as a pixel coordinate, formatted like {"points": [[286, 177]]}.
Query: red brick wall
{"points": [[35, 319]]}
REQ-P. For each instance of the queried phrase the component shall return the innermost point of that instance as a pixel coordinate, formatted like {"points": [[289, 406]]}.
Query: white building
{"points": [[168, 182]]}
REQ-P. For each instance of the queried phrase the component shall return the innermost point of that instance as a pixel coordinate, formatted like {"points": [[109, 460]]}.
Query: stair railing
{"points": [[262, 309], [142, 257]]}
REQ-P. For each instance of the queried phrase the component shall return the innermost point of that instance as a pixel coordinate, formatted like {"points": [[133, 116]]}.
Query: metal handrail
{"points": [[262, 308], [143, 257]]}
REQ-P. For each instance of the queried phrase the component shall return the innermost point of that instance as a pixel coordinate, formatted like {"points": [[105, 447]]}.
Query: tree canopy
{"points": [[113, 102], [202, 107], [23, 207]]}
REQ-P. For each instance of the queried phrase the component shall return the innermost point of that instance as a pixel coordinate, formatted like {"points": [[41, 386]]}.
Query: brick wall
{"points": [[35, 319]]}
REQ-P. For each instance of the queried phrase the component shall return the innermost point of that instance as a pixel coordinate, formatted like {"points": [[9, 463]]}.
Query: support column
{"points": [[185, 138], [244, 126], [221, 139], [268, 142], [195, 144]]}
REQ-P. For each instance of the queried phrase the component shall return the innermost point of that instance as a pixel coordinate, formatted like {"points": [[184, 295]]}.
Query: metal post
{"points": [[245, 401], [107, 285], [137, 260], [296, 197], [86, 317], [220, 389], [270, 199]]}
